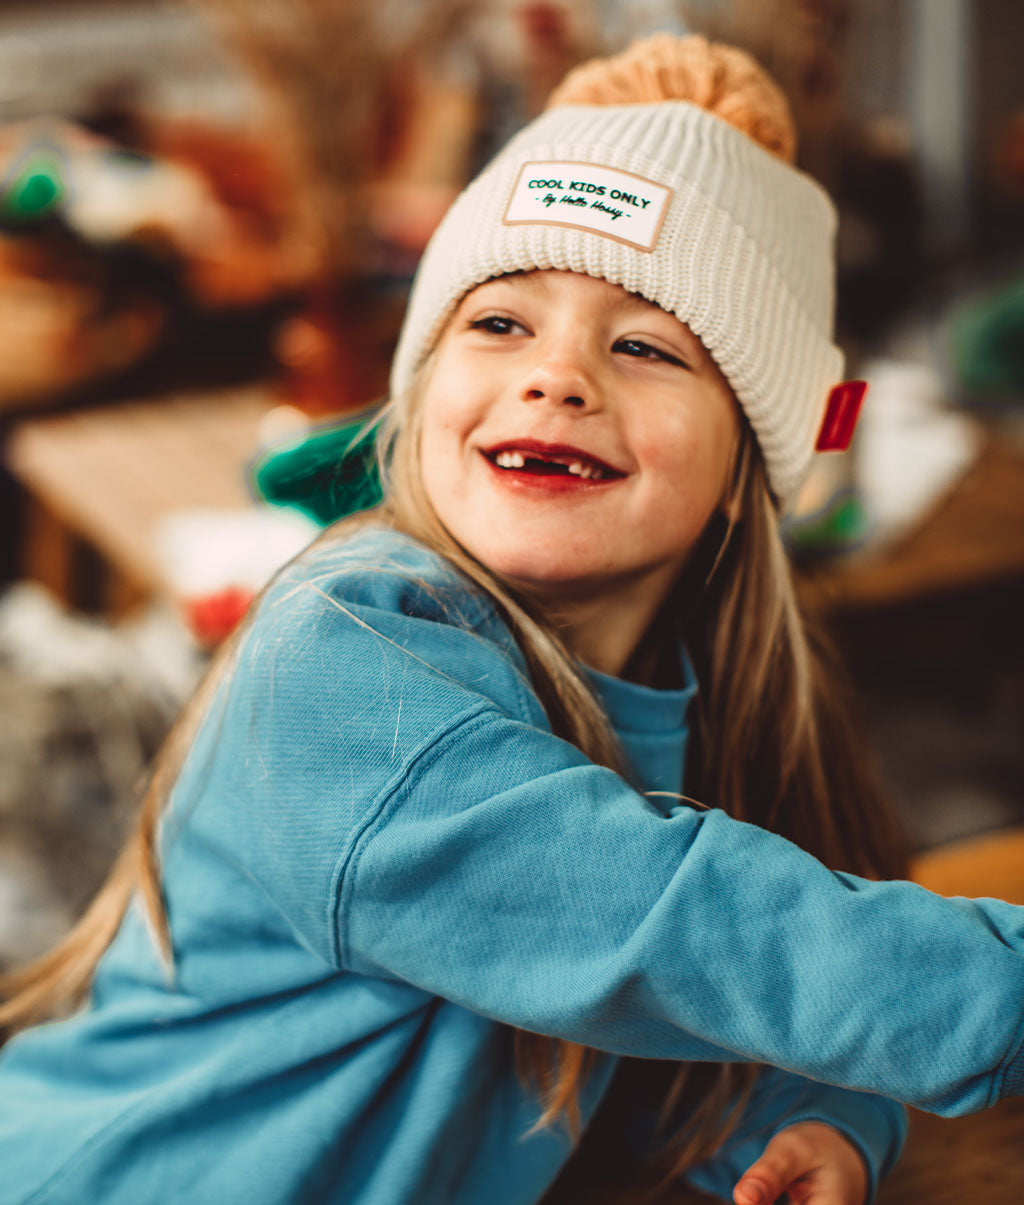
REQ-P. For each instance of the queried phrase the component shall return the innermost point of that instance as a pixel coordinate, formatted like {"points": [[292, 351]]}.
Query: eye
{"points": [[647, 351], [497, 324]]}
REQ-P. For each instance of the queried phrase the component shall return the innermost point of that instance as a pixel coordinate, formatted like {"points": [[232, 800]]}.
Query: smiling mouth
{"points": [[551, 463]]}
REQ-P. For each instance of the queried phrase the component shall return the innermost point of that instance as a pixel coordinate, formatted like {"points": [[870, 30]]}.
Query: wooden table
{"points": [[99, 480]]}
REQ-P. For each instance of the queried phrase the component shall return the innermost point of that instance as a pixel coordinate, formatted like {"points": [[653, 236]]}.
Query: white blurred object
{"points": [[283, 423], [32, 916], [911, 446], [40, 639], [114, 194], [204, 551], [86, 704]]}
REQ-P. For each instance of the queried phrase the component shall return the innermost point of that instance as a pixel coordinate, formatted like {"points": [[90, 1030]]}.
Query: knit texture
{"points": [[744, 257]]}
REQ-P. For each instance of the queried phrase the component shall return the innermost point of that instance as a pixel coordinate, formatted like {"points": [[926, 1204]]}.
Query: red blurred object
{"points": [[214, 617], [337, 351], [243, 169], [841, 411]]}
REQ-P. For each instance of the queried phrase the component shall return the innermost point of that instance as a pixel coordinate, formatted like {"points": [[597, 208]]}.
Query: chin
{"points": [[556, 579], [528, 561]]}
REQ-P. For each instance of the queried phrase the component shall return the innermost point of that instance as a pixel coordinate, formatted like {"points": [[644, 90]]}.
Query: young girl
{"points": [[415, 898]]}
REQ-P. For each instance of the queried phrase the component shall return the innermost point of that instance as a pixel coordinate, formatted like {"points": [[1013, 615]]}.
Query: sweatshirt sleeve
{"points": [[875, 1125], [502, 870], [388, 779]]}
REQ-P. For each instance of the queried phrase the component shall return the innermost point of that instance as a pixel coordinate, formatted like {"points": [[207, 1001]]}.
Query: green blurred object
{"points": [[988, 343], [34, 191], [839, 526], [330, 474]]}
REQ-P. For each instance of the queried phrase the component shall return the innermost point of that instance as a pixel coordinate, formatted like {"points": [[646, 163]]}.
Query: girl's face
{"points": [[575, 438]]}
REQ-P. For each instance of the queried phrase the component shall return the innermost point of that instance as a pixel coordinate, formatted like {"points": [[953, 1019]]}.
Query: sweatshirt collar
{"points": [[635, 708]]}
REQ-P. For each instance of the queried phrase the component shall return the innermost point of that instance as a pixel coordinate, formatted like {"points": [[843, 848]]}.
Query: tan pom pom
{"points": [[721, 79]]}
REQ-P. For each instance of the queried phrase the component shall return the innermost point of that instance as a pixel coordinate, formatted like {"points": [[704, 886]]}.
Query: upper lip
{"points": [[550, 451]]}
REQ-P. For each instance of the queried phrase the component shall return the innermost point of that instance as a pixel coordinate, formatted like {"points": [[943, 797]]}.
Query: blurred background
{"points": [[210, 213]]}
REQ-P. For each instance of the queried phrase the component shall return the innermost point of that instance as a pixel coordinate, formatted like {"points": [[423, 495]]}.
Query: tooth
{"points": [[576, 469], [516, 460]]}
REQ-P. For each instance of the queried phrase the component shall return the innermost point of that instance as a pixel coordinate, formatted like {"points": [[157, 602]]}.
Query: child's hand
{"points": [[811, 1161]]}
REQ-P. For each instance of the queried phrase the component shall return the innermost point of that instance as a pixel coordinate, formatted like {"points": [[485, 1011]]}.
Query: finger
{"points": [[753, 1190], [826, 1186], [786, 1158], [837, 1173]]}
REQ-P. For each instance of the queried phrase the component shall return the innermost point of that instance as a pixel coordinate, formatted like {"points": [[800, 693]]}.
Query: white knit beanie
{"points": [[680, 207]]}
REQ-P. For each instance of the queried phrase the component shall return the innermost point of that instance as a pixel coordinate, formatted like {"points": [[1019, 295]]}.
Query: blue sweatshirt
{"points": [[378, 858]]}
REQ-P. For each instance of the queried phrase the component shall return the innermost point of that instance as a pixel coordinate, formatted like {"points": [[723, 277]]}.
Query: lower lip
{"points": [[548, 483]]}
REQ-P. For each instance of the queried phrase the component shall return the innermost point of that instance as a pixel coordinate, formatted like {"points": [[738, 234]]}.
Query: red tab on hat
{"points": [[841, 410]]}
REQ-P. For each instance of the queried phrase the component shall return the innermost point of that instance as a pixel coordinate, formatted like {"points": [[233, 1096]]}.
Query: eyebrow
{"points": [[536, 279], [532, 278]]}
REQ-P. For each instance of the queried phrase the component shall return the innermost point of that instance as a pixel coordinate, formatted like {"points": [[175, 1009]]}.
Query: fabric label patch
{"points": [[841, 411], [587, 196]]}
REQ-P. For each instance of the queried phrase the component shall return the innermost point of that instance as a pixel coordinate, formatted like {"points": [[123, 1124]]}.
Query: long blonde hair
{"points": [[774, 742]]}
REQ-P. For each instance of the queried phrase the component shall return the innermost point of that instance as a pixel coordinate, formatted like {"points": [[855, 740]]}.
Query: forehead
{"points": [[553, 283]]}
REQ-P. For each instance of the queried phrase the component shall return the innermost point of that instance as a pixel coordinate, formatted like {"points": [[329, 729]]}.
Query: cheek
{"points": [[673, 453], [688, 457], [436, 463], [444, 461], [449, 409], [438, 432]]}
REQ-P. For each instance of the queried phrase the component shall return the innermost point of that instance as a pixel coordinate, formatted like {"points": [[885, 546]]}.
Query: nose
{"points": [[560, 376]]}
